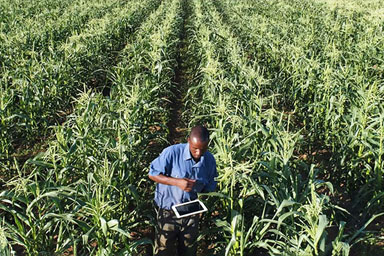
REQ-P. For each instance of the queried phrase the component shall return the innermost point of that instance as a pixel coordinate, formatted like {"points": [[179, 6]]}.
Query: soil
{"points": [[177, 129]]}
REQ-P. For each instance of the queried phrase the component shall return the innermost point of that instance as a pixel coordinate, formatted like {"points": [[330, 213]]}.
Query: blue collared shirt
{"points": [[176, 161]]}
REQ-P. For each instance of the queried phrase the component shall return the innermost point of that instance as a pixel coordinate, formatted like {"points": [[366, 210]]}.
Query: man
{"points": [[181, 171]]}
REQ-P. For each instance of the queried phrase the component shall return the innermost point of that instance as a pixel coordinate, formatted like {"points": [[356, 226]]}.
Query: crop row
{"points": [[269, 198], [44, 35], [372, 9], [326, 66], [85, 193], [37, 93], [16, 12]]}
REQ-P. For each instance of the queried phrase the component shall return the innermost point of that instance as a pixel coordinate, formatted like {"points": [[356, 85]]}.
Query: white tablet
{"points": [[189, 208]]}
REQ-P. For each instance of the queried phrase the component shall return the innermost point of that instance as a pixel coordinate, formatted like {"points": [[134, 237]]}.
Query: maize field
{"points": [[292, 92]]}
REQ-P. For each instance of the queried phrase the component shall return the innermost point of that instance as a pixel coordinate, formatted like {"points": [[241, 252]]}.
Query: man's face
{"points": [[197, 148]]}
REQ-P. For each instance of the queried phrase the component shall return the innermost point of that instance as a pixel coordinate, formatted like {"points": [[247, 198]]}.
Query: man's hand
{"points": [[186, 184]]}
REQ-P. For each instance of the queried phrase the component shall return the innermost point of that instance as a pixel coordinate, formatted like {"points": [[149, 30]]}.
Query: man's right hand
{"points": [[186, 184]]}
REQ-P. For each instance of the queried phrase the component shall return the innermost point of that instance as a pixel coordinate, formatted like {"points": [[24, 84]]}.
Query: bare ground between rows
{"points": [[178, 130]]}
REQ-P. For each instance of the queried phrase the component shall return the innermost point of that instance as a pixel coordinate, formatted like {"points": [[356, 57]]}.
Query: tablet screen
{"points": [[190, 208]]}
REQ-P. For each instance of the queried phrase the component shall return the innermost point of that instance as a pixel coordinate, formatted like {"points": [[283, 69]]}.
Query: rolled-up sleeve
{"points": [[162, 164]]}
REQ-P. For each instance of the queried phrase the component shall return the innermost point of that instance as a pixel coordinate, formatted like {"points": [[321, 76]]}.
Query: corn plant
{"points": [[248, 130], [31, 103], [93, 170], [327, 98], [16, 12], [277, 82], [5, 247]]}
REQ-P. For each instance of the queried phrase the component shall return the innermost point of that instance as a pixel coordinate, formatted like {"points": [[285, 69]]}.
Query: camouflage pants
{"points": [[176, 236]]}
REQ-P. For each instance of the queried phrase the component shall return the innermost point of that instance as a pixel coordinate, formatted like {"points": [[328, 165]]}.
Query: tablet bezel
{"points": [[191, 213]]}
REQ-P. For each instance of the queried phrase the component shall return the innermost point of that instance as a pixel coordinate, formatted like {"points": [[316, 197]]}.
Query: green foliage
{"points": [[271, 198], [277, 82], [85, 192], [37, 87]]}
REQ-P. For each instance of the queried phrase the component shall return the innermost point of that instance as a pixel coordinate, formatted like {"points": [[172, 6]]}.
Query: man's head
{"points": [[198, 141]]}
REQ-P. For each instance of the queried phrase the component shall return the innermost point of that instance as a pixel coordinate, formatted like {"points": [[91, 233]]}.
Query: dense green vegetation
{"points": [[40, 75], [292, 92]]}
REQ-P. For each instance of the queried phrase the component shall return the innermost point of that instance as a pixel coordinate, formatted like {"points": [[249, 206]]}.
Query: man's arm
{"points": [[183, 183]]}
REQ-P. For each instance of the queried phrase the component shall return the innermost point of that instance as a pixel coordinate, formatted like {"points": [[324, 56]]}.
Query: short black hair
{"points": [[200, 132]]}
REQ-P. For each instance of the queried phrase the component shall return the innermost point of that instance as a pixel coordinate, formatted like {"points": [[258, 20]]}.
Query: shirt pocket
{"points": [[177, 173]]}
